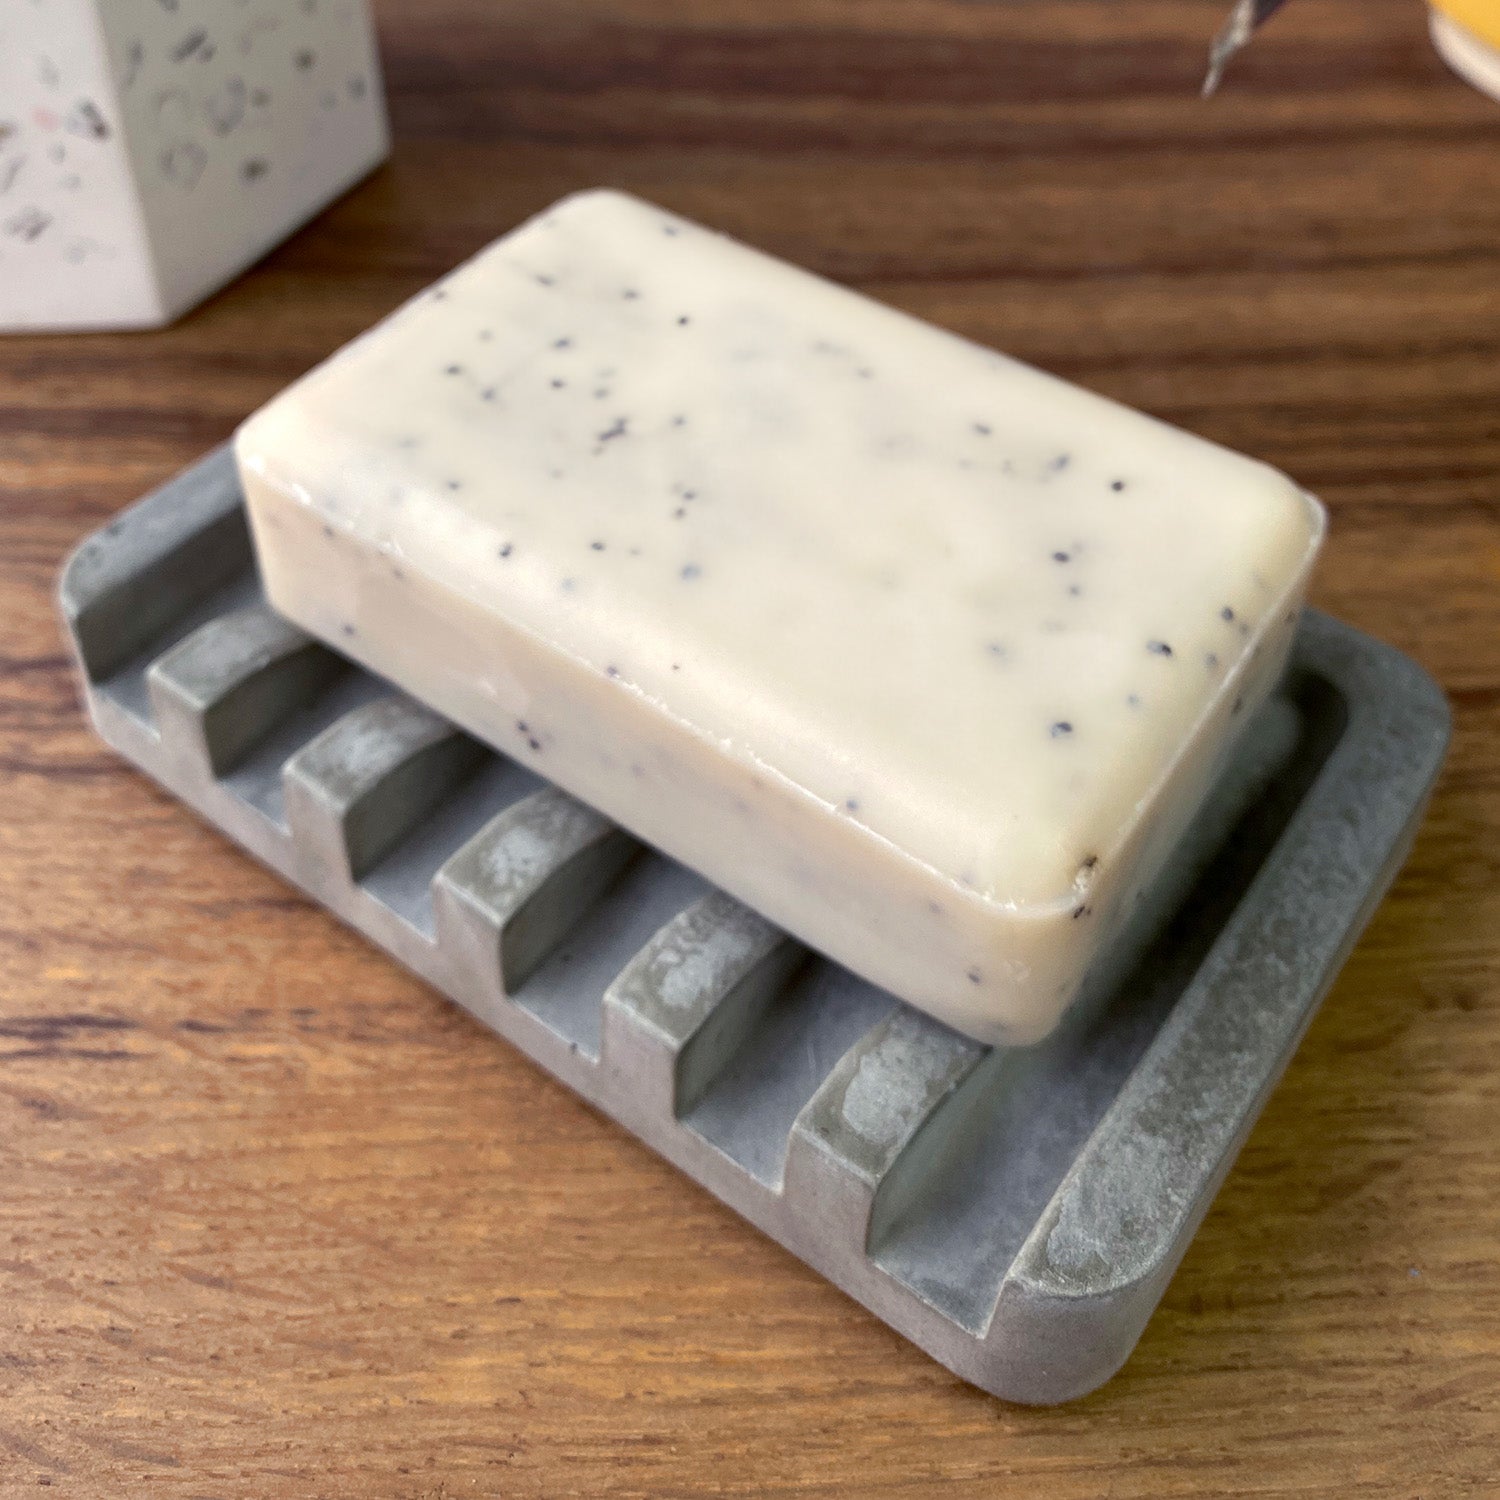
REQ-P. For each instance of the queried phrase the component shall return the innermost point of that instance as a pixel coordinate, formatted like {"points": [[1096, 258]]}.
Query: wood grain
{"points": [[278, 1221]]}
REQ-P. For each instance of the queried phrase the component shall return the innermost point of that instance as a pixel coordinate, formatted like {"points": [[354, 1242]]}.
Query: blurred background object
{"points": [[1236, 32], [150, 151], [1467, 33]]}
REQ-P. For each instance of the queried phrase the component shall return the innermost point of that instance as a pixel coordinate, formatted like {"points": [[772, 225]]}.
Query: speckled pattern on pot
{"points": [[152, 149]]}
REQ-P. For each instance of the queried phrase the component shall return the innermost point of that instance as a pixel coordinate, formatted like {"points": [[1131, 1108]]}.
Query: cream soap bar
{"points": [[925, 655]]}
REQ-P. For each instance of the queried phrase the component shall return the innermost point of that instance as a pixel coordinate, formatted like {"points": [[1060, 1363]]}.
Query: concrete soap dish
{"points": [[1017, 1214]]}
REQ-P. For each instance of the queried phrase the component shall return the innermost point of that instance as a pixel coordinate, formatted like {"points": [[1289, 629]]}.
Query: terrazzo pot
{"points": [[150, 150]]}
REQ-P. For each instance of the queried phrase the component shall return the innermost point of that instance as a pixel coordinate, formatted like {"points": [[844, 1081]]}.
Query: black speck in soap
{"points": [[305, 59], [1211, 661], [568, 585], [851, 804], [255, 168], [617, 430], [348, 629], [679, 421], [683, 321], [602, 394], [1081, 911], [1061, 729], [327, 530], [691, 571], [453, 369], [630, 294], [506, 549], [522, 727], [935, 907], [563, 344], [542, 280], [975, 976], [534, 742], [983, 429], [997, 649], [487, 394], [1117, 485], [1227, 615], [558, 383], [191, 44], [485, 335], [1133, 700], [1062, 557], [865, 373], [1158, 648], [1239, 704], [676, 666], [671, 231], [596, 546], [1075, 590], [1060, 462], [455, 484], [611, 671], [679, 513]]}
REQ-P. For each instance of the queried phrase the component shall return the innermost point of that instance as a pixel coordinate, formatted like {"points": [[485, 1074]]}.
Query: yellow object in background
{"points": [[1480, 17], [1467, 34]]}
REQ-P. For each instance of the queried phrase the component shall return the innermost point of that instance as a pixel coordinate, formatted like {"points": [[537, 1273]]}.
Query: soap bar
{"points": [[151, 149], [925, 655]]}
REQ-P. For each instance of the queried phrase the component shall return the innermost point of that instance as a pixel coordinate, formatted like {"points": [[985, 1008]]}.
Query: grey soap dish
{"points": [[1017, 1214]]}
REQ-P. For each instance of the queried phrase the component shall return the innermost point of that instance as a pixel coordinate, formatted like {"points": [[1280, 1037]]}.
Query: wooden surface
{"points": [[276, 1220]]}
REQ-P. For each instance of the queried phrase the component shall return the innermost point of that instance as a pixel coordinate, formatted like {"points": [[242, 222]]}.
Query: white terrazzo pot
{"points": [[150, 150]]}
